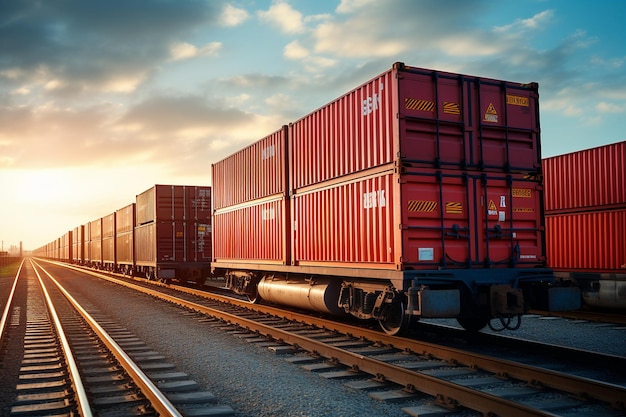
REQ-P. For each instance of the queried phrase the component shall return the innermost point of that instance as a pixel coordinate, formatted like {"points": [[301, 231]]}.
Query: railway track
{"points": [[589, 315], [396, 368], [75, 364]]}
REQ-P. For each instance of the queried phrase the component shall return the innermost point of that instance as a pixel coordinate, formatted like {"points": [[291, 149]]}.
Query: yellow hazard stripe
{"points": [[454, 208], [422, 206], [451, 108], [423, 105]]}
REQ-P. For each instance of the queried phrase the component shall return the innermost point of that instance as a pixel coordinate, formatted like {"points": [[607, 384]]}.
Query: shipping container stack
{"points": [[586, 221], [78, 245], [109, 255], [173, 232], [124, 235], [94, 244], [416, 173]]}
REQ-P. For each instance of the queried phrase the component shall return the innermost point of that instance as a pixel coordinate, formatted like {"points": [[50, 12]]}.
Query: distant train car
{"points": [[78, 245], [172, 235], [109, 243], [417, 194], [165, 235], [125, 239], [586, 222]]}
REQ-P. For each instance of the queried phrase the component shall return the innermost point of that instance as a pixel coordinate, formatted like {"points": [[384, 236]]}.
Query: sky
{"points": [[100, 100]]}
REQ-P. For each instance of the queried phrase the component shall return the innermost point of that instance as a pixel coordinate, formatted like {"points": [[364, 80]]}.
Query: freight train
{"points": [[417, 194], [585, 195], [165, 234]]}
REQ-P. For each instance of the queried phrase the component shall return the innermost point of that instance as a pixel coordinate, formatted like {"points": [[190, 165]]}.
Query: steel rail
{"points": [[7, 307], [578, 386], [75, 378], [450, 393], [158, 400]]}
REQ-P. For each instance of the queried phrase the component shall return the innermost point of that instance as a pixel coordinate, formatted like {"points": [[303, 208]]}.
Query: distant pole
{"points": [[20, 248]]}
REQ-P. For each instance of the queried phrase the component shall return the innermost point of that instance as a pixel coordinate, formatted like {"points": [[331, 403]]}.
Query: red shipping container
{"points": [[174, 202], [253, 232], [255, 172], [588, 241], [426, 118], [589, 178], [172, 242], [422, 219]]}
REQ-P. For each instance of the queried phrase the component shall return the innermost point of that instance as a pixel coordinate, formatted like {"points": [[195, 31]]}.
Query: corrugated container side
{"points": [[254, 232], [174, 202], [108, 225], [255, 172], [125, 219], [78, 244], [589, 178], [353, 133], [124, 248], [427, 119], [167, 241], [587, 241], [95, 241], [95, 229], [424, 219], [145, 206], [145, 244]]}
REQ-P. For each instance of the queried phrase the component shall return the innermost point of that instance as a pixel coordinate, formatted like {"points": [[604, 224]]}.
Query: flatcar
{"points": [[417, 194], [586, 222]]}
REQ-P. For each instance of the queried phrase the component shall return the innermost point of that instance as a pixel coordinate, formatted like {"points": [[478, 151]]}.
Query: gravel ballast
{"points": [[257, 382]]}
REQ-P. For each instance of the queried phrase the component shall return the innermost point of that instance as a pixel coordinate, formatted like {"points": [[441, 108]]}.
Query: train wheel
{"points": [[473, 324], [396, 321]]}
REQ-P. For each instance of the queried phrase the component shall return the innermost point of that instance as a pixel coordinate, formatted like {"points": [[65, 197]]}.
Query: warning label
{"points": [[422, 206], [493, 210], [454, 208], [491, 115], [517, 100], [451, 108]]}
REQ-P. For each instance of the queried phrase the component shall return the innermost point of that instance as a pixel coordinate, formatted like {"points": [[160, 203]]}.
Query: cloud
{"points": [[81, 45], [538, 21], [183, 50], [294, 50], [604, 107], [282, 15], [233, 16]]}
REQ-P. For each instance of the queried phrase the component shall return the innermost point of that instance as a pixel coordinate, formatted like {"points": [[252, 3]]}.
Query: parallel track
{"points": [[414, 366], [76, 367]]}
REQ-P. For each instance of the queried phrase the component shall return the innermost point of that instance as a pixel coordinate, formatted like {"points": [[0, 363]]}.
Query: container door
{"points": [[511, 231], [438, 221], [453, 219]]}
